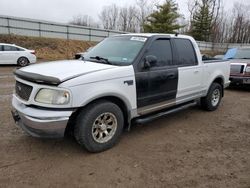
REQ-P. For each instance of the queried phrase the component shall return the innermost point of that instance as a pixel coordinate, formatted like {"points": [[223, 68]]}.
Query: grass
{"points": [[49, 48]]}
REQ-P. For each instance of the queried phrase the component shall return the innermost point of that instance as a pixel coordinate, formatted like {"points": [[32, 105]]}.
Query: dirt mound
{"points": [[48, 48]]}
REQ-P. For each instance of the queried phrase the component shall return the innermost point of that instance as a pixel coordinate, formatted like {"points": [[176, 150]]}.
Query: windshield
{"points": [[242, 54], [120, 50]]}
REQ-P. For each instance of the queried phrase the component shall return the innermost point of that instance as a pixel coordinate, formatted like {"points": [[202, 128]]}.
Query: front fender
{"points": [[84, 94]]}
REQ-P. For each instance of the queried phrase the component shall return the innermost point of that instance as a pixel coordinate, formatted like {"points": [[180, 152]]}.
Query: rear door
{"points": [[157, 85], [190, 71]]}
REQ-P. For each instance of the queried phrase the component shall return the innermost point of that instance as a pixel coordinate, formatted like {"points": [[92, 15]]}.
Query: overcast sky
{"points": [[64, 10]]}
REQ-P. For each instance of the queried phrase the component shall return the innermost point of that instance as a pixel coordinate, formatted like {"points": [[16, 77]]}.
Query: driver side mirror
{"points": [[150, 61]]}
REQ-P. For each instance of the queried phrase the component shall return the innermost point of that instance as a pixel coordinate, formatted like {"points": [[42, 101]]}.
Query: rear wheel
{"points": [[22, 61], [213, 98], [99, 126]]}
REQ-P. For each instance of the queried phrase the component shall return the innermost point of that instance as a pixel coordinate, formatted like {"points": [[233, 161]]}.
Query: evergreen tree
{"points": [[202, 22], [164, 19]]}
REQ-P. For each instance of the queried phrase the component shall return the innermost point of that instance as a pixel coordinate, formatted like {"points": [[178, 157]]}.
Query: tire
{"points": [[22, 61], [213, 98], [99, 126]]}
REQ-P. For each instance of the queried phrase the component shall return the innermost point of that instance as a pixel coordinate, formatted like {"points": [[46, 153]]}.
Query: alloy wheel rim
{"points": [[215, 97], [22, 61], [104, 127]]}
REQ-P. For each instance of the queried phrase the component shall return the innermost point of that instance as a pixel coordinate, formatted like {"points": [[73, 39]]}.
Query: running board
{"points": [[148, 118]]}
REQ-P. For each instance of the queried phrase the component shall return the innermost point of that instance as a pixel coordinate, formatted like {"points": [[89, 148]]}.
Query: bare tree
{"points": [[109, 17], [134, 25], [192, 6], [233, 25], [131, 18], [104, 17], [240, 24], [123, 19], [145, 8], [127, 19], [84, 20]]}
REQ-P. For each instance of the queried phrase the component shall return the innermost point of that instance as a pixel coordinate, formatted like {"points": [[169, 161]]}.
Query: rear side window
{"points": [[161, 48], [10, 48], [19, 49], [186, 52], [1, 48]]}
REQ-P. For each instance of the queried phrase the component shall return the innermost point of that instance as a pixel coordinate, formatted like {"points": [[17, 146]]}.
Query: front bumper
{"points": [[226, 85], [43, 123], [239, 80]]}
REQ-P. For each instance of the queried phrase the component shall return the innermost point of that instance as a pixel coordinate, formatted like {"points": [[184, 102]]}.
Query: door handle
{"points": [[196, 72], [171, 76]]}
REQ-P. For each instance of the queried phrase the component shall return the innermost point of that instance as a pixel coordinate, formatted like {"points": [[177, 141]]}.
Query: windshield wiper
{"points": [[99, 58]]}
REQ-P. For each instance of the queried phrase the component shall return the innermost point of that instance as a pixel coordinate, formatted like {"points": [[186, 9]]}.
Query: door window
{"points": [[161, 49], [186, 52], [10, 48]]}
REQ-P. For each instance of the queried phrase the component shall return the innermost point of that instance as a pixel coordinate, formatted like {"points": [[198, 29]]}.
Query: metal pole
{"points": [[67, 32], [40, 33], [8, 25], [89, 34], [67, 27]]}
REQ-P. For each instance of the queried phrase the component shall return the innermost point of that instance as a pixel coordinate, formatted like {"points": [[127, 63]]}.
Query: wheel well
{"points": [[220, 81], [116, 100]]}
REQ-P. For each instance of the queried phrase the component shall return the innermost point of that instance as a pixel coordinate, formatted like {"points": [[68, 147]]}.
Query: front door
{"points": [[156, 85], [9, 54]]}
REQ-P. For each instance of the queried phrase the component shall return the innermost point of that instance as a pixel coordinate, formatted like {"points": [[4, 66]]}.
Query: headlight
{"points": [[248, 69], [51, 96]]}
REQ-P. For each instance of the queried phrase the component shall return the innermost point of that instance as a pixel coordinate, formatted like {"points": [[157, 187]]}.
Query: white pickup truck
{"points": [[125, 78]]}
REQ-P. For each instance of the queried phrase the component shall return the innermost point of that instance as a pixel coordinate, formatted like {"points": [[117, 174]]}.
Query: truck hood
{"points": [[57, 72]]}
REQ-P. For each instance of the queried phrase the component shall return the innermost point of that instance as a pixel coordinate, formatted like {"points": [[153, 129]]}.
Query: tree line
{"points": [[207, 21]]}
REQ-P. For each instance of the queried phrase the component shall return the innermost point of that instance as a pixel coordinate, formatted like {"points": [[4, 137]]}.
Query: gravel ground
{"points": [[192, 148]]}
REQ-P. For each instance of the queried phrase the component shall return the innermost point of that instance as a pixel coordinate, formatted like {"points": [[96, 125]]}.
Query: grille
{"points": [[237, 69], [23, 90]]}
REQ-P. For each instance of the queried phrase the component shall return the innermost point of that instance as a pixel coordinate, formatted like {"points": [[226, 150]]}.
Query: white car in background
{"points": [[13, 54]]}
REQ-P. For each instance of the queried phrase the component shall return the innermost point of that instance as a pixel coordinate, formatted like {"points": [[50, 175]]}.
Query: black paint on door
{"points": [[159, 82]]}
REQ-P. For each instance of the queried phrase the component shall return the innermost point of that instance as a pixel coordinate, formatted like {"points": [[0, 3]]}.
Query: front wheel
{"points": [[99, 126], [213, 98]]}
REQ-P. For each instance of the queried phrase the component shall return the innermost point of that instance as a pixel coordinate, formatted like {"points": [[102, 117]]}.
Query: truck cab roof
{"points": [[157, 34]]}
